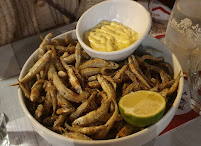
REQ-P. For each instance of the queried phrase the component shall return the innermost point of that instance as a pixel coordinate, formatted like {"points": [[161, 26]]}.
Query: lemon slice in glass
{"points": [[142, 108]]}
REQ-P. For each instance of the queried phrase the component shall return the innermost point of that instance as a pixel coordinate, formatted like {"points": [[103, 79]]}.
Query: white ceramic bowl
{"points": [[136, 139], [129, 13]]}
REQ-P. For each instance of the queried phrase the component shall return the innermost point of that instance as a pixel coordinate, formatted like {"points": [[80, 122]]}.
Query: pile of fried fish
{"points": [[76, 96]]}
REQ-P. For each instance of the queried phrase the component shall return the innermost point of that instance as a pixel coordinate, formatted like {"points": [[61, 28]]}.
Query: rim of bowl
{"points": [[60, 137], [118, 51]]}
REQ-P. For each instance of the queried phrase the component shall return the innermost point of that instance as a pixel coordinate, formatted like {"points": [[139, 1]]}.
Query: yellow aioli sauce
{"points": [[110, 36]]}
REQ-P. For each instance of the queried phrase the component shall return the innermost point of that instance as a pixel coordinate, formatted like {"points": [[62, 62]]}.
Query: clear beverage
{"points": [[184, 29], [194, 69], [196, 100]]}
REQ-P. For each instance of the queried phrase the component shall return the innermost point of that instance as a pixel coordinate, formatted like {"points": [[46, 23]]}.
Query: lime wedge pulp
{"points": [[142, 108]]}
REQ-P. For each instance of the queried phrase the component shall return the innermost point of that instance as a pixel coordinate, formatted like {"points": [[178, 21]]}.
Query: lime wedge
{"points": [[142, 108]]}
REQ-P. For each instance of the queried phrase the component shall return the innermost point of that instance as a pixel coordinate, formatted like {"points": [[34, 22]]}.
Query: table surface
{"points": [[21, 132]]}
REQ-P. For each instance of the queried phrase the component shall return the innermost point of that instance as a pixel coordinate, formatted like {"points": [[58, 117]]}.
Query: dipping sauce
{"points": [[109, 36]]}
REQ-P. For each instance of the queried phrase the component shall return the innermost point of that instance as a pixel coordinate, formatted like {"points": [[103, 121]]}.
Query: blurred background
{"points": [[23, 18]]}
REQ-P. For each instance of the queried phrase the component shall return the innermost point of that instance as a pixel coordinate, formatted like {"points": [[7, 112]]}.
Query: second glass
{"points": [[194, 79]]}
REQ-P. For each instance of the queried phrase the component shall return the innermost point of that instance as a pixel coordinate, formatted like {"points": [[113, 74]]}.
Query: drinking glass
{"points": [[184, 29], [4, 140], [194, 78]]}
